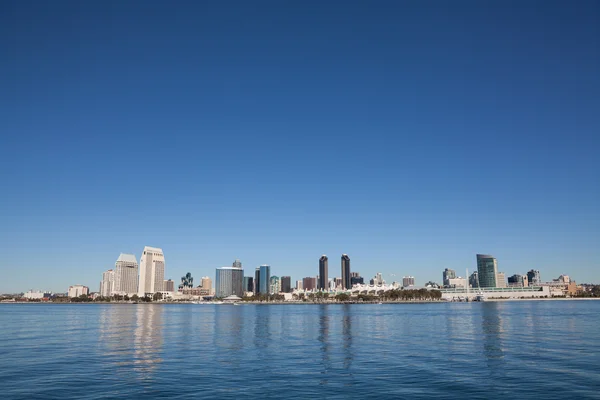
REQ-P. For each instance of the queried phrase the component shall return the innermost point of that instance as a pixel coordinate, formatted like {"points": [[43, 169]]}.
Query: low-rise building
{"points": [[78, 290]]}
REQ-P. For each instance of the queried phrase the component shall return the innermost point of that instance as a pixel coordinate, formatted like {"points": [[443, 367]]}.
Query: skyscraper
{"points": [[286, 284], [487, 270], [323, 283], [257, 280], [126, 275], [248, 284], [534, 277], [309, 283], [152, 271], [237, 264], [107, 284], [500, 280], [408, 281], [447, 275], [274, 285], [474, 280], [265, 279], [229, 281], [169, 286], [346, 282]]}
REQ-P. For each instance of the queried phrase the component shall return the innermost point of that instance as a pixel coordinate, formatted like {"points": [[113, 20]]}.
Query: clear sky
{"points": [[409, 134]]}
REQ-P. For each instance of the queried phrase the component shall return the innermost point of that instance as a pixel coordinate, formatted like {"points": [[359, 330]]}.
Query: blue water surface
{"points": [[492, 350]]}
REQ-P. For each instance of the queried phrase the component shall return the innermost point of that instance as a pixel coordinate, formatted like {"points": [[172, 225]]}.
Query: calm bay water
{"points": [[536, 349]]}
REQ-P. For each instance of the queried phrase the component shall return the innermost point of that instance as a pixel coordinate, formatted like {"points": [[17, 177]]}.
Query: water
{"points": [[524, 350]]}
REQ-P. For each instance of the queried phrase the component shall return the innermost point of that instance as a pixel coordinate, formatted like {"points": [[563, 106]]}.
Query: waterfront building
{"points": [[107, 283], [408, 281], [346, 281], [229, 281], [286, 284], [474, 279], [78, 290], [152, 271], [487, 271], [249, 284], [169, 286], [265, 279], [500, 280], [457, 283], [299, 285], [187, 282], [257, 280], [309, 283], [323, 283], [37, 295], [274, 285], [518, 280], [447, 275], [333, 283], [126, 275], [377, 280], [206, 284], [533, 276], [356, 279]]}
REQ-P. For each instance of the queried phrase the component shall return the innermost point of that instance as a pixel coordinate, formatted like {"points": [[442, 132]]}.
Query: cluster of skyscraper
{"points": [[123, 280], [488, 276]]}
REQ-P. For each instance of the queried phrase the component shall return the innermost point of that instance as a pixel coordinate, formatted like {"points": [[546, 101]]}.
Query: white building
{"points": [[78, 290], [152, 271], [107, 283], [299, 285], [457, 282], [125, 280], [36, 294]]}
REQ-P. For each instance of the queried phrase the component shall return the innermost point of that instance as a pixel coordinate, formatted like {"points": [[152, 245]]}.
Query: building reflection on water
{"points": [[148, 339], [324, 343], [492, 328], [347, 336]]}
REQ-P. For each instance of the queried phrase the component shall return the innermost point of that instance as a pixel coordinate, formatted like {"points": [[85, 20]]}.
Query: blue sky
{"points": [[410, 135]]}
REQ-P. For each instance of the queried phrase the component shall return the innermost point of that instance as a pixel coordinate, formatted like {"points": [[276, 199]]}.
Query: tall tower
{"points": [[487, 271], [108, 283], [152, 271], [257, 281], [323, 283], [126, 275], [346, 284], [264, 279]]}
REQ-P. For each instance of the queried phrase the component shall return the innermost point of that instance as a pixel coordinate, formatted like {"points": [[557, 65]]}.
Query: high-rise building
{"points": [[408, 281], [457, 282], [518, 280], [346, 282], [447, 275], [229, 281], [500, 280], [356, 279], [534, 277], [299, 285], [323, 283], [169, 286], [206, 283], [274, 285], [126, 275], [257, 280], [487, 271], [237, 264], [265, 279], [152, 271], [286, 284], [249, 284], [107, 284], [78, 290], [474, 279], [309, 283]]}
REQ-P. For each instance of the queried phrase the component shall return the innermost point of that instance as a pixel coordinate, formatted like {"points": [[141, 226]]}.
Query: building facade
{"points": [[107, 284], [323, 283], [286, 284], [257, 280], [309, 283], [346, 276], [169, 286], [299, 285], [78, 290], [534, 278], [274, 285], [152, 271], [264, 279], [229, 281], [126, 275], [447, 275], [249, 284], [408, 281], [474, 279], [518, 280], [487, 271], [500, 280]]}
